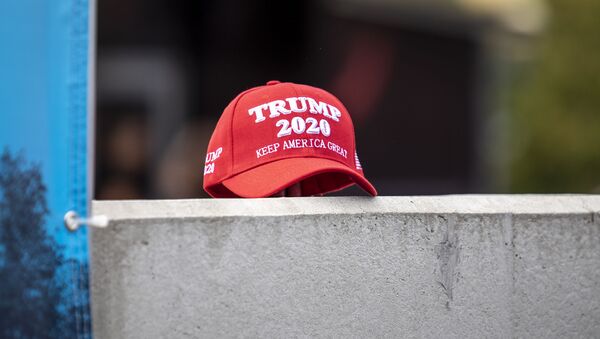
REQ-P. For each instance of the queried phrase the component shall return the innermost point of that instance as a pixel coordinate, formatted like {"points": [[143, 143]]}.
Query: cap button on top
{"points": [[273, 82]]}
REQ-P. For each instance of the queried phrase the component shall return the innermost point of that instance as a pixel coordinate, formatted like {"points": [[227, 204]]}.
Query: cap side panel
{"points": [[234, 110], [216, 165], [218, 160]]}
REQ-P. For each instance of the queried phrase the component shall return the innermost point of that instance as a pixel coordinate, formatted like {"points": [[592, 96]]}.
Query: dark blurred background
{"points": [[467, 96]]}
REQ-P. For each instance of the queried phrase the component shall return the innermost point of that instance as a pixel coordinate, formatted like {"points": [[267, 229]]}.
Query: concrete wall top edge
{"points": [[117, 210]]}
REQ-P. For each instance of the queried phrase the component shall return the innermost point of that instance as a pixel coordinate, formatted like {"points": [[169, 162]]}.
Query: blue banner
{"points": [[44, 167]]}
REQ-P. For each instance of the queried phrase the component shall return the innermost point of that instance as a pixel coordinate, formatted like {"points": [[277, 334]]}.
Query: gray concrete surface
{"points": [[436, 267]]}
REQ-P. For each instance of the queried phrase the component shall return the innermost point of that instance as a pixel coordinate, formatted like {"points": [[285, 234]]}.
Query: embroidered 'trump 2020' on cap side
{"points": [[274, 136]]}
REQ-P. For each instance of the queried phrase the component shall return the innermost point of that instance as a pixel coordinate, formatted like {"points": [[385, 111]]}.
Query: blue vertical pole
{"points": [[46, 72]]}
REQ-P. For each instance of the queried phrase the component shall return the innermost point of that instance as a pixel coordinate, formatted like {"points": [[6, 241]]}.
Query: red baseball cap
{"points": [[271, 137]]}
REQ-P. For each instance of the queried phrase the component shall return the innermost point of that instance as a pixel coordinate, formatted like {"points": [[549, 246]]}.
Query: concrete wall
{"points": [[450, 266]]}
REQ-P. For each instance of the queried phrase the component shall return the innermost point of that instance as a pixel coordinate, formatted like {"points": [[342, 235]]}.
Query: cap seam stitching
{"points": [[231, 123]]}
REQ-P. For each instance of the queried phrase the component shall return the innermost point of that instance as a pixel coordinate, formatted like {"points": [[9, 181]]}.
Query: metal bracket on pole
{"points": [[73, 221]]}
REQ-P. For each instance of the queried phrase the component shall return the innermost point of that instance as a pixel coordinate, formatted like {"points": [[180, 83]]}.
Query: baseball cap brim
{"points": [[268, 179]]}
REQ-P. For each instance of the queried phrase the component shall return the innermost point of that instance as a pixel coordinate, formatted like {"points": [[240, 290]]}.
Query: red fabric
{"points": [[247, 158]]}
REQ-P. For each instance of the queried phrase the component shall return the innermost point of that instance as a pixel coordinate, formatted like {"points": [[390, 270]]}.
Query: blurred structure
{"points": [[422, 80], [555, 106]]}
